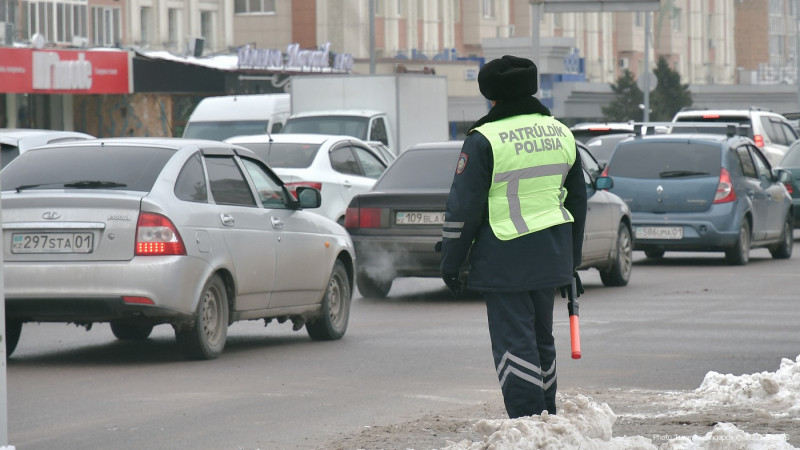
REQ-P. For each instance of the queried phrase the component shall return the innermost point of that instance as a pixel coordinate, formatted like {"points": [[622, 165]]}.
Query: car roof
{"points": [[166, 142], [13, 135], [340, 112], [435, 145], [743, 112], [291, 138], [621, 126], [689, 136]]}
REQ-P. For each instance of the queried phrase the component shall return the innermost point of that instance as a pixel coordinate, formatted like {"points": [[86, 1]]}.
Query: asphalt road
{"points": [[416, 353]]}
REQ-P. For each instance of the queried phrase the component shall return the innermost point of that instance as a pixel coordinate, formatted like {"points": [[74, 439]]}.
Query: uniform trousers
{"points": [[521, 331]]}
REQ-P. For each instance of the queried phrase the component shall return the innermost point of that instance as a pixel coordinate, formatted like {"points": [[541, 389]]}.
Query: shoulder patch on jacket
{"points": [[462, 163]]}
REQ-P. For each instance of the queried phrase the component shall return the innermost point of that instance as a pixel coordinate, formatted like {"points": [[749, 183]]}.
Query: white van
{"points": [[219, 118]]}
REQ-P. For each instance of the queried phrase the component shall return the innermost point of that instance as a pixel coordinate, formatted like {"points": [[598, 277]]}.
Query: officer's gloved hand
{"points": [[578, 287], [453, 283]]}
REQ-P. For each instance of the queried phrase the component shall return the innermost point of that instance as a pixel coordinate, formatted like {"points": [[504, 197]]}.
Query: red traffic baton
{"points": [[574, 325]]}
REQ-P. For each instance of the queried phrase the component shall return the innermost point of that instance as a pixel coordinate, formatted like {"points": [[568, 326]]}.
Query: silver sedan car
{"points": [[196, 234]]}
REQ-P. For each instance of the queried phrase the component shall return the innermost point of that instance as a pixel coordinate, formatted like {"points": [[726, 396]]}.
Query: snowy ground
{"points": [[758, 411]]}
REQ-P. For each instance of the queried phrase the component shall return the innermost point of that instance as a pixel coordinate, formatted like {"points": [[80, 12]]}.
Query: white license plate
{"points": [[419, 218], [52, 242], [659, 232]]}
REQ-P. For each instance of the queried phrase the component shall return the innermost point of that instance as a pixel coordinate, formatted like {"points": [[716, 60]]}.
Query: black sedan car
{"points": [[396, 225]]}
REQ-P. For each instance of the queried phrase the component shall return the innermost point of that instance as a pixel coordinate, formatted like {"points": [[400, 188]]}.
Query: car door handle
{"points": [[227, 220], [277, 223]]}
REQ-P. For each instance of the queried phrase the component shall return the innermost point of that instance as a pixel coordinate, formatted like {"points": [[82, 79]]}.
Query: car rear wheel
{"points": [[739, 254], [620, 271], [205, 338], [13, 331], [130, 331], [335, 313], [784, 249], [370, 287]]}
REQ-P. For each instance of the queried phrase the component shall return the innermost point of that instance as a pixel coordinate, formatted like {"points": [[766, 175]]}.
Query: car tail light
{"points": [[759, 140], [710, 116], [362, 218], [137, 300], [293, 186], [789, 188], [156, 235], [604, 173], [725, 192]]}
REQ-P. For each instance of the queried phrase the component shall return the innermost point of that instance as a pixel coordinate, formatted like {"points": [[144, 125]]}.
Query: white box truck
{"points": [[413, 107]]}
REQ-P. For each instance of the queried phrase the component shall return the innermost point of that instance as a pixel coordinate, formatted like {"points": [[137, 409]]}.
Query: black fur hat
{"points": [[507, 78]]}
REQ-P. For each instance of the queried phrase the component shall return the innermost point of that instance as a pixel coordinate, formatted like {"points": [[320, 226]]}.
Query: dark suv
{"points": [[702, 192]]}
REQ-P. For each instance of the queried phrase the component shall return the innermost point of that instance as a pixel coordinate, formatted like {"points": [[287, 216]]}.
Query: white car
{"points": [[14, 141], [771, 132], [140, 232], [340, 167]]}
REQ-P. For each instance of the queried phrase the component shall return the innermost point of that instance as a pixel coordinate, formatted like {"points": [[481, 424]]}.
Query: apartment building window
{"points": [[378, 7], [488, 9], [207, 27], [56, 21], [106, 26], [254, 6], [146, 16], [676, 20], [399, 7], [175, 29]]}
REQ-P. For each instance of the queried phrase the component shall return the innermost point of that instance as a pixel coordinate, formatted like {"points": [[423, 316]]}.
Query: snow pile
{"points": [[727, 436], [584, 424], [776, 393], [581, 424]]}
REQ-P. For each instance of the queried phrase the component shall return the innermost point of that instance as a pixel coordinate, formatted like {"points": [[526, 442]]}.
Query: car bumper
{"points": [[713, 230], [400, 256], [796, 209], [91, 292]]}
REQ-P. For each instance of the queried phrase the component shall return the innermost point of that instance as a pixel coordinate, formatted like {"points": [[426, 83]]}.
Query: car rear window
{"points": [[341, 125], [423, 170], [285, 155], [107, 167], [665, 160]]}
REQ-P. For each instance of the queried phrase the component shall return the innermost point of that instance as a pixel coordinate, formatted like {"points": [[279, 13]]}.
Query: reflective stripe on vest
{"points": [[532, 155]]}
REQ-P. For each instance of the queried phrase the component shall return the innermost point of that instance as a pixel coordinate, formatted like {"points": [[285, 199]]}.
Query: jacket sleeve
{"points": [[467, 202], [576, 205]]}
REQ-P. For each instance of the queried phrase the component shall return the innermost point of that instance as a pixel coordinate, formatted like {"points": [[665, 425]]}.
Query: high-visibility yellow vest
{"points": [[532, 155]]}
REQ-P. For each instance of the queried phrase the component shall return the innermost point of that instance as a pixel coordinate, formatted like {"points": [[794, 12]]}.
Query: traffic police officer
{"points": [[517, 209]]}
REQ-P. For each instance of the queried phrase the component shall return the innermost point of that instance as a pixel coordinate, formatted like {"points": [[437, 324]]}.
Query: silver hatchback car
{"points": [[146, 231]]}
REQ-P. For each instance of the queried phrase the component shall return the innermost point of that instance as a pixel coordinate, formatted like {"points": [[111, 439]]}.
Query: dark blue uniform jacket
{"points": [[542, 259]]}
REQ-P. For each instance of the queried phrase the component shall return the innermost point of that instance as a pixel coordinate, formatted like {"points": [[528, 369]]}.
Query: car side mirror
{"points": [[308, 197], [603, 183], [782, 175]]}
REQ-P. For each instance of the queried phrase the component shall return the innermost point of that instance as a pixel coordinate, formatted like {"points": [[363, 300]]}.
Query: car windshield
{"points": [[339, 125], [285, 155], [601, 147], [86, 168], [665, 160], [420, 170], [218, 131]]}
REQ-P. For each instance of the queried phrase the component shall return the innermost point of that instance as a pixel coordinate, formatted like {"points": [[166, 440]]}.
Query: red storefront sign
{"points": [[46, 71]]}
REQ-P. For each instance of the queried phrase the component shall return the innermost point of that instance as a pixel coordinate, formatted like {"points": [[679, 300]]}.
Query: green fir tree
{"points": [[669, 95], [627, 98]]}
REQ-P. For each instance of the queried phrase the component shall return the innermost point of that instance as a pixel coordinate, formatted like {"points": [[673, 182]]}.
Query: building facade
{"points": [[715, 45]]}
